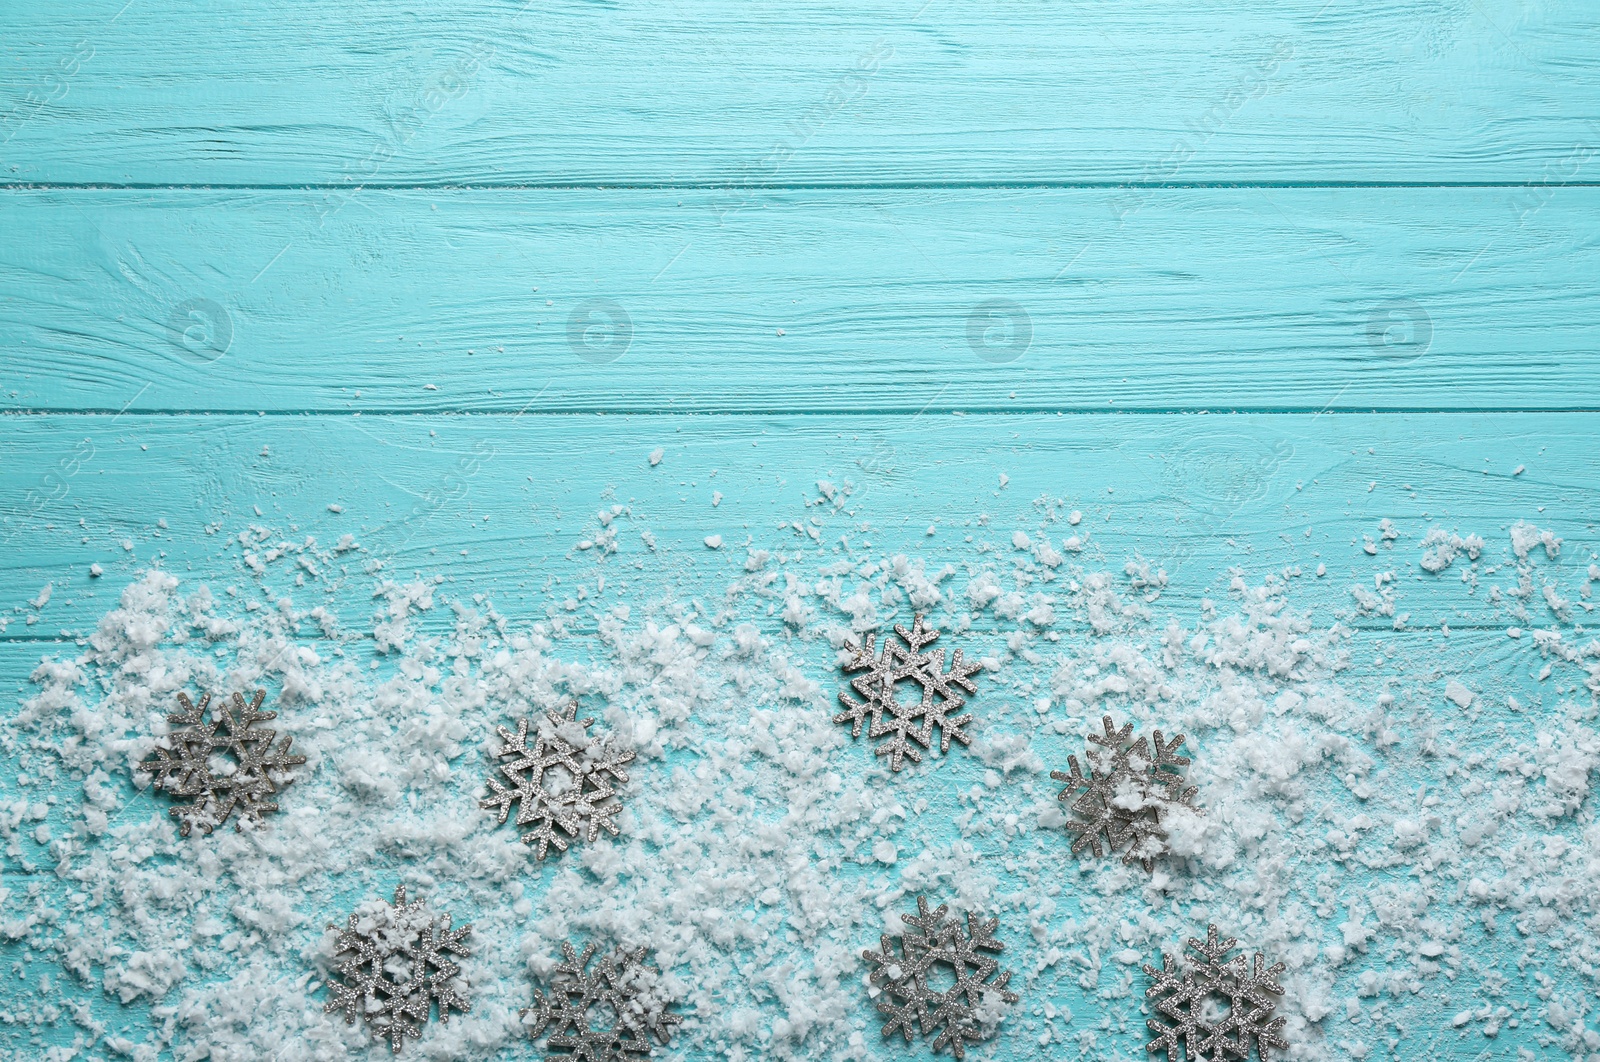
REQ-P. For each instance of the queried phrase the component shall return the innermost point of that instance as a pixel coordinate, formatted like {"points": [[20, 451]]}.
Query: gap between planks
{"points": [[797, 186], [757, 412]]}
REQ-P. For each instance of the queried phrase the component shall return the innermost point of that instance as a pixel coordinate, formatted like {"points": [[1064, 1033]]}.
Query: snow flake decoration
{"points": [[608, 1014], [563, 783], [1199, 1028], [907, 725], [1129, 787], [937, 950], [397, 967], [224, 761]]}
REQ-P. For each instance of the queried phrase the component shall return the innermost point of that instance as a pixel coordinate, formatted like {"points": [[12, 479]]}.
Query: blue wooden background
{"points": [[1263, 292]]}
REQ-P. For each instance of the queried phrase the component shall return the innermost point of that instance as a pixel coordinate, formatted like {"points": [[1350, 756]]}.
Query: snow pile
{"points": [[1409, 860]]}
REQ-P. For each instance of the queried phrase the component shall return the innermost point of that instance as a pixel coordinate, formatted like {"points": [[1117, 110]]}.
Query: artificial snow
{"points": [[1424, 876]]}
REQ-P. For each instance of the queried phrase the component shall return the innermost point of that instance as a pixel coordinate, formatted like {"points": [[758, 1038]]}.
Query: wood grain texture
{"points": [[597, 305], [508, 505], [897, 301], [737, 94]]}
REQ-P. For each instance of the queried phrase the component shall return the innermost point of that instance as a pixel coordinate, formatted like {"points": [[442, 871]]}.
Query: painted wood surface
{"points": [[884, 301], [505, 92], [512, 503], [585, 306], [558, 520]]}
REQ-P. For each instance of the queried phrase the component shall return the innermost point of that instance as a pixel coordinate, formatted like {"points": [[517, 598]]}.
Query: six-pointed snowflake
{"points": [[397, 965], [936, 950], [223, 761], [1129, 786], [908, 724], [564, 781], [608, 1014], [1218, 1007]]}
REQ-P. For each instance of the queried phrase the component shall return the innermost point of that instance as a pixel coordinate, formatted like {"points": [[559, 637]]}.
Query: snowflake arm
{"points": [[938, 701], [901, 723], [433, 964], [263, 764], [965, 950], [871, 686], [360, 980], [940, 680], [917, 637]]}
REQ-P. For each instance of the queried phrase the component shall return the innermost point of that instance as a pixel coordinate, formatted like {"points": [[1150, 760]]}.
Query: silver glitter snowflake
{"points": [[1217, 1007], [1129, 786], [564, 781], [397, 967], [909, 724], [223, 760], [936, 949], [608, 1014]]}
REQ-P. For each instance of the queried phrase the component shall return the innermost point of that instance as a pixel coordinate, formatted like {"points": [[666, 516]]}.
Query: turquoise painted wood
{"points": [[596, 313], [507, 501], [739, 95], [504, 512], [883, 301]]}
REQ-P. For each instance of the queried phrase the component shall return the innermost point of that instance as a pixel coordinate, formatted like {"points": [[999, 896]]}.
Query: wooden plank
{"points": [[727, 93], [63, 1002], [1201, 496], [508, 505], [1241, 299]]}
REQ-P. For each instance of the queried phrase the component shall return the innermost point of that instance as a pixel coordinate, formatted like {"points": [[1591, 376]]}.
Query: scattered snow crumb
{"points": [[656, 455], [1440, 548], [1525, 536], [1372, 843], [96, 571]]}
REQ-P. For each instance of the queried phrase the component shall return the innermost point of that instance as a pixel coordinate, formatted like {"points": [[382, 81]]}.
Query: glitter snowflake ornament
{"points": [[937, 950], [563, 782], [223, 761], [1129, 787], [396, 967], [1217, 1008], [612, 1013], [908, 724]]}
